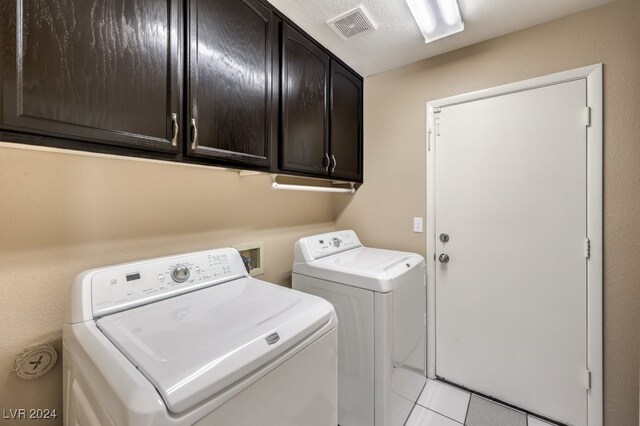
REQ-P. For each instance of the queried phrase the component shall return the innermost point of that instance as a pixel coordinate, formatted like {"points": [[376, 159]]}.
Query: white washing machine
{"points": [[380, 299], [193, 339]]}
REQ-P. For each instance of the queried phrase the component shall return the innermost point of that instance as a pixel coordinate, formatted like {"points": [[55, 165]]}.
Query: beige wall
{"points": [[394, 191], [63, 213], [66, 212]]}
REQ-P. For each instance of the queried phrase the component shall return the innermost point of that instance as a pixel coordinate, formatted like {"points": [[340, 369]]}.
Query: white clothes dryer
{"points": [[380, 299], [193, 339]]}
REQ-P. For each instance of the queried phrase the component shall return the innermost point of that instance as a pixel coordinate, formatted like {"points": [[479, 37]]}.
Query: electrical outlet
{"points": [[417, 224]]}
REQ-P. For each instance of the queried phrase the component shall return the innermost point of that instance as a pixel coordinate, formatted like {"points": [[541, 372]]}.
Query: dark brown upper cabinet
{"points": [[304, 144], [321, 128], [232, 58], [92, 70], [346, 124], [224, 82]]}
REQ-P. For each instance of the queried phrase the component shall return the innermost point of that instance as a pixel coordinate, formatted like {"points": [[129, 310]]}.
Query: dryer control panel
{"points": [[121, 287], [322, 245]]}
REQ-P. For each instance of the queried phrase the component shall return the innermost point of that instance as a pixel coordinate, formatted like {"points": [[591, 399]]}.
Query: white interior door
{"points": [[511, 194]]}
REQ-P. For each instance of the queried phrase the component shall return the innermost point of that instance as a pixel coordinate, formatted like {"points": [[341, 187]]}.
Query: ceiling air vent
{"points": [[352, 23]]}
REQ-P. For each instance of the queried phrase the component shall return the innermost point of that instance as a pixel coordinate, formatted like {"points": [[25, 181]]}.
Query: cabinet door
{"points": [[346, 123], [230, 90], [305, 70], [93, 70]]}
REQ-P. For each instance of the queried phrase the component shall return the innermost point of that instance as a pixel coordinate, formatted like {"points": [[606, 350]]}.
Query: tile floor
{"points": [[444, 405]]}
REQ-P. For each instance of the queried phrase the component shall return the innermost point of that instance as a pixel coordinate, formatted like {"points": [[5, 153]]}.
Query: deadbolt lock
{"points": [[444, 237]]}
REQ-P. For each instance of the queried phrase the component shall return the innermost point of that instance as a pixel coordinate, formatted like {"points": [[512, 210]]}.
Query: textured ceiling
{"points": [[398, 41]]}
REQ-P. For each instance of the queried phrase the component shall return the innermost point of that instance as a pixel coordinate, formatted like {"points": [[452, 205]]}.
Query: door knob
{"points": [[443, 258]]}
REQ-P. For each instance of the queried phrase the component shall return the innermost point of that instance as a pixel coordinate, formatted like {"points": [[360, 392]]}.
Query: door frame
{"points": [[593, 75]]}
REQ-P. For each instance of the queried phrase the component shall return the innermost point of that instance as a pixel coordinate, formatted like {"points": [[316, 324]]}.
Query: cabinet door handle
{"points": [[335, 163], [326, 157], [175, 128], [194, 134]]}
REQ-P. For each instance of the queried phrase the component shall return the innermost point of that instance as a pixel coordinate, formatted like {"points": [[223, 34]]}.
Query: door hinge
{"points": [[436, 119], [587, 377], [425, 319], [587, 248], [587, 116], [429, 140]]}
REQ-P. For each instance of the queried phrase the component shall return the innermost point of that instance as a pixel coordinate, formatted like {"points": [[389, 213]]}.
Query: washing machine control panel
{"points": [[327, 244], [180, 273], [125, 286]]}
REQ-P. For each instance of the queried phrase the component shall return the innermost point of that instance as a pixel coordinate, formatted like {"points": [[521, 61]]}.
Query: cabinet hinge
{"points": [[587, 248], [587, 116], [587, 378]]}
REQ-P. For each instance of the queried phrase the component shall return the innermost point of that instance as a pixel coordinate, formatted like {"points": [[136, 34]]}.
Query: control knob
{"points": [[336, 241], [180, 273]]}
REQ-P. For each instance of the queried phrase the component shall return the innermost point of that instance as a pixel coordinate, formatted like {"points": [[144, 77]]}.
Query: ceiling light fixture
{"points": [[436, 18]]}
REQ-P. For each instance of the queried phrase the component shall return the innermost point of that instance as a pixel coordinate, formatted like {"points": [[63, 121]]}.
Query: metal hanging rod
{"points": [[287, 187]]}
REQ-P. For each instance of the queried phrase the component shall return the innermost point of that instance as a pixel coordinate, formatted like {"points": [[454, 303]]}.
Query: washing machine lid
{"points": [[363, 267], [193, 346]]}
